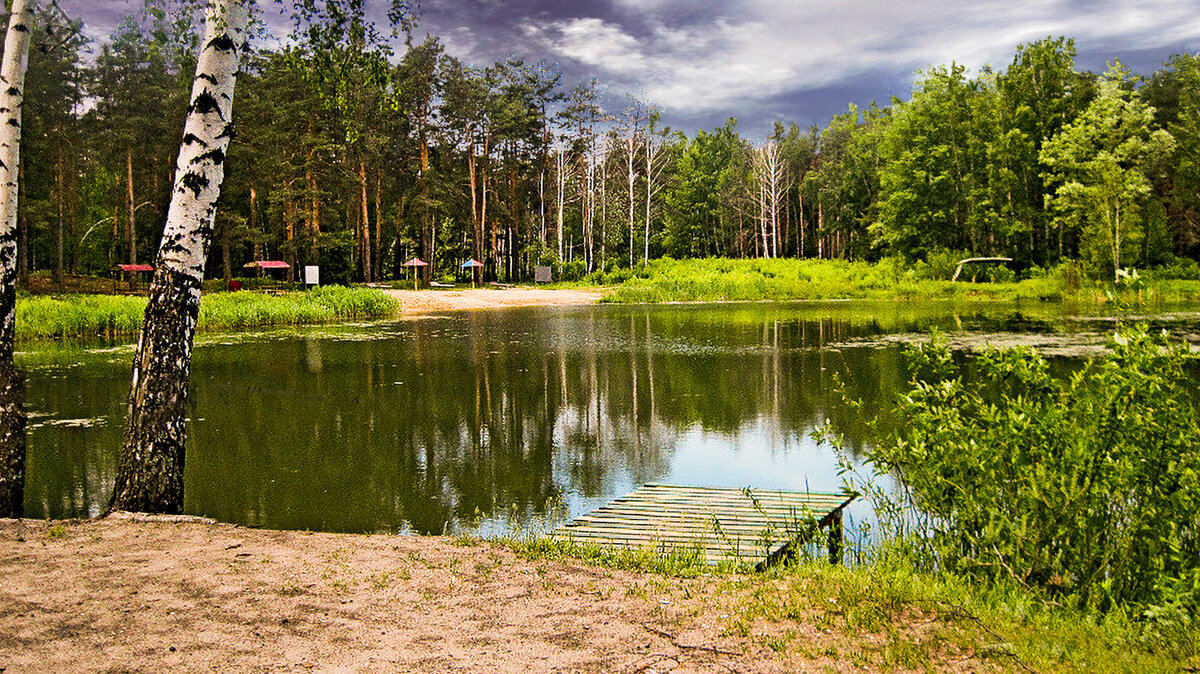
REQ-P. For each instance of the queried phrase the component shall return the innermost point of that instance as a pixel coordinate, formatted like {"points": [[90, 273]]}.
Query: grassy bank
{"points": [[886, 616], [713, 280], [45, 317]]}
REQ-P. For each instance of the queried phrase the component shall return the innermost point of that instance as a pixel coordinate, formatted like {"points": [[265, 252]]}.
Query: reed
{"points": [[88, 316]]}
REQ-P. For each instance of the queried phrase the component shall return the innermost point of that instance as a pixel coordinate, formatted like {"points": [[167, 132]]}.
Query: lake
{"points": [[496, 421]]}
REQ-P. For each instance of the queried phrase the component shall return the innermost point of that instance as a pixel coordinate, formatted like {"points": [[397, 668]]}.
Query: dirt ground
{"points": [[134, 593], [418, 302]]}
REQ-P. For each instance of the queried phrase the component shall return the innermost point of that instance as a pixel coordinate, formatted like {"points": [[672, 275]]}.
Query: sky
{"points": [[761, 61]]}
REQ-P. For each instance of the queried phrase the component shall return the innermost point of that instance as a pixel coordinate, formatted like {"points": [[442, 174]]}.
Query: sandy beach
{"points": [[134, 593], [417, 302]]}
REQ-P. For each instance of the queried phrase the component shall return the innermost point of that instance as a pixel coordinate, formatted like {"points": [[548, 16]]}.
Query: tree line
{"points": [[357, 158]]}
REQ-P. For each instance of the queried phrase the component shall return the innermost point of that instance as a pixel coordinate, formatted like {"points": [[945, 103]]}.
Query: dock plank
{"points": [[724, 524]]}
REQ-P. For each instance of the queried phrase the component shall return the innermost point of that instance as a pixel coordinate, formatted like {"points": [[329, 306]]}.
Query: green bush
{"points": [[1084, 488]]}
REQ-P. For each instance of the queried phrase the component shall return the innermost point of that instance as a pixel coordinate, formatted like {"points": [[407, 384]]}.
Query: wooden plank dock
{"points": [[739, 525]]}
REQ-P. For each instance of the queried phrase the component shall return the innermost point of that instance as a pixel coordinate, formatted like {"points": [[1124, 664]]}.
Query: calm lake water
{"points": [[491, 421]]}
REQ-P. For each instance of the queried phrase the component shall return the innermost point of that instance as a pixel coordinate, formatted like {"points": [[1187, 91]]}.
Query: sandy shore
{"points": [[418, 302], [133, 594]]}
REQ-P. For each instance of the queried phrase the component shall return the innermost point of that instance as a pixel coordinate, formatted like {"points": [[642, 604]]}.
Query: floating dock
{"points": [[754, 526]]}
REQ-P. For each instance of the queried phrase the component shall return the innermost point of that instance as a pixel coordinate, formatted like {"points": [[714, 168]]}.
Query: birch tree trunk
{"points": [[12, 385], [150, 474]]}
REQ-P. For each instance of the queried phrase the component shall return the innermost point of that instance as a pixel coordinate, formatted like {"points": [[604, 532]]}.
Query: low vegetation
{"points": [[723, 280], [1041, 523], [85, 316]]}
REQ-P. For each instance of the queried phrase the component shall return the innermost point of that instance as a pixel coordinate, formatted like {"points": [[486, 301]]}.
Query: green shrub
{"points": [[1084, 489]]}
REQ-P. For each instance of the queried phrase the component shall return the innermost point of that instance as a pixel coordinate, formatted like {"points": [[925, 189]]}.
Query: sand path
{"points": [[418, 302]]}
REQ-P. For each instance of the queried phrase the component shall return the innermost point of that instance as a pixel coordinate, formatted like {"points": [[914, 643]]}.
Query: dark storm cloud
{"points": [[762, 60]]}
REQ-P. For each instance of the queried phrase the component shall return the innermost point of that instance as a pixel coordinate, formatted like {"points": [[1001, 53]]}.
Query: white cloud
{"points": [[776, 47]]}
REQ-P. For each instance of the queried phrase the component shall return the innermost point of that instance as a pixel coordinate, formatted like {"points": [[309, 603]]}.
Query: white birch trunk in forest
{"points": [[150, 473], [12, 386], [653, 169], [768, 173], [560, 182]]}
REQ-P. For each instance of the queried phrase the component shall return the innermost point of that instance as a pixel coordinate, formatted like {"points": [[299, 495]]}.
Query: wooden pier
{"points": [[739, 525]]}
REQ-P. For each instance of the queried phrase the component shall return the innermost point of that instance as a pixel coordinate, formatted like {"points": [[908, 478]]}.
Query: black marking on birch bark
{"points": [[222, 43], [150, 475], [206, 103], [194, 181], [13, 122], [215, 155], [3, 166], [229, 132], [190, 138], [13, 91], [21, 28], [208, 78]]}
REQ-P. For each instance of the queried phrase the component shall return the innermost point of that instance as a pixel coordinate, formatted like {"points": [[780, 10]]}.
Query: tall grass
{"points": [[709, 280], [86, 316], [725, 280], [224, 311], [44, 316]]}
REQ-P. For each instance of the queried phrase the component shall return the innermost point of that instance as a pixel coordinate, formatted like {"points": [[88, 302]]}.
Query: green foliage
{"points": [[1082, 489], [41, 317], [723, 280], [1096, 167], [932, 185], [105, 315], [222, 311]]}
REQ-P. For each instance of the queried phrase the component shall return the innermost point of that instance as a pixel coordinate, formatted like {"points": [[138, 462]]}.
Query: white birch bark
{"points": [[654, 168], [150, 474], [560, 182], [12, 387]]}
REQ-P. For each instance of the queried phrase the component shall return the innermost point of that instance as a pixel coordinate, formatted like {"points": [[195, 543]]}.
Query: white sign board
{"points": [[312, 275]]}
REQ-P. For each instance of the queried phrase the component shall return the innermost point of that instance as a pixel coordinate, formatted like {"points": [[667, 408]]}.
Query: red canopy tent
{"points": [[262, 265], [129, 271]]}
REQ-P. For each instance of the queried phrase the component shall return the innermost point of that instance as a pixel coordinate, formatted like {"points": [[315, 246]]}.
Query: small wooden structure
{"points": [[264, 266], [130, 272], [969, 260], [739, 525]]}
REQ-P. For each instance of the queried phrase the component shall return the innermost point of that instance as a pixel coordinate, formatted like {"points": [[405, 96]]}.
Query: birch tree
{"points": [[12, 386], [652, 147], [631, 138], [150, 473], [769, 176]]}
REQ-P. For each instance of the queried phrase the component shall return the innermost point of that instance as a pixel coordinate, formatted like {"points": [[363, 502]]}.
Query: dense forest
{"points": [[354, 157]]}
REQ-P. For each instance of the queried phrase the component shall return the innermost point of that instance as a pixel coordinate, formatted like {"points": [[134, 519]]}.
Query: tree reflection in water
{"points": [[493, 416]]}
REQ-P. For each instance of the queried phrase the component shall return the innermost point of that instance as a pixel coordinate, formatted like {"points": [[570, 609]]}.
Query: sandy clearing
{"points": [[417, 302], [135, 593]]}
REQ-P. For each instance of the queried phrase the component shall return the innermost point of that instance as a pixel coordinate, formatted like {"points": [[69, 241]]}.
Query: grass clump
{"points": [[226, 311], [670, 561], [44, 316], [87, 316]]}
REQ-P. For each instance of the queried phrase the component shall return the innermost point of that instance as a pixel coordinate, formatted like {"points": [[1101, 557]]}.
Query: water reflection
{"points": [[484, 418]]}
